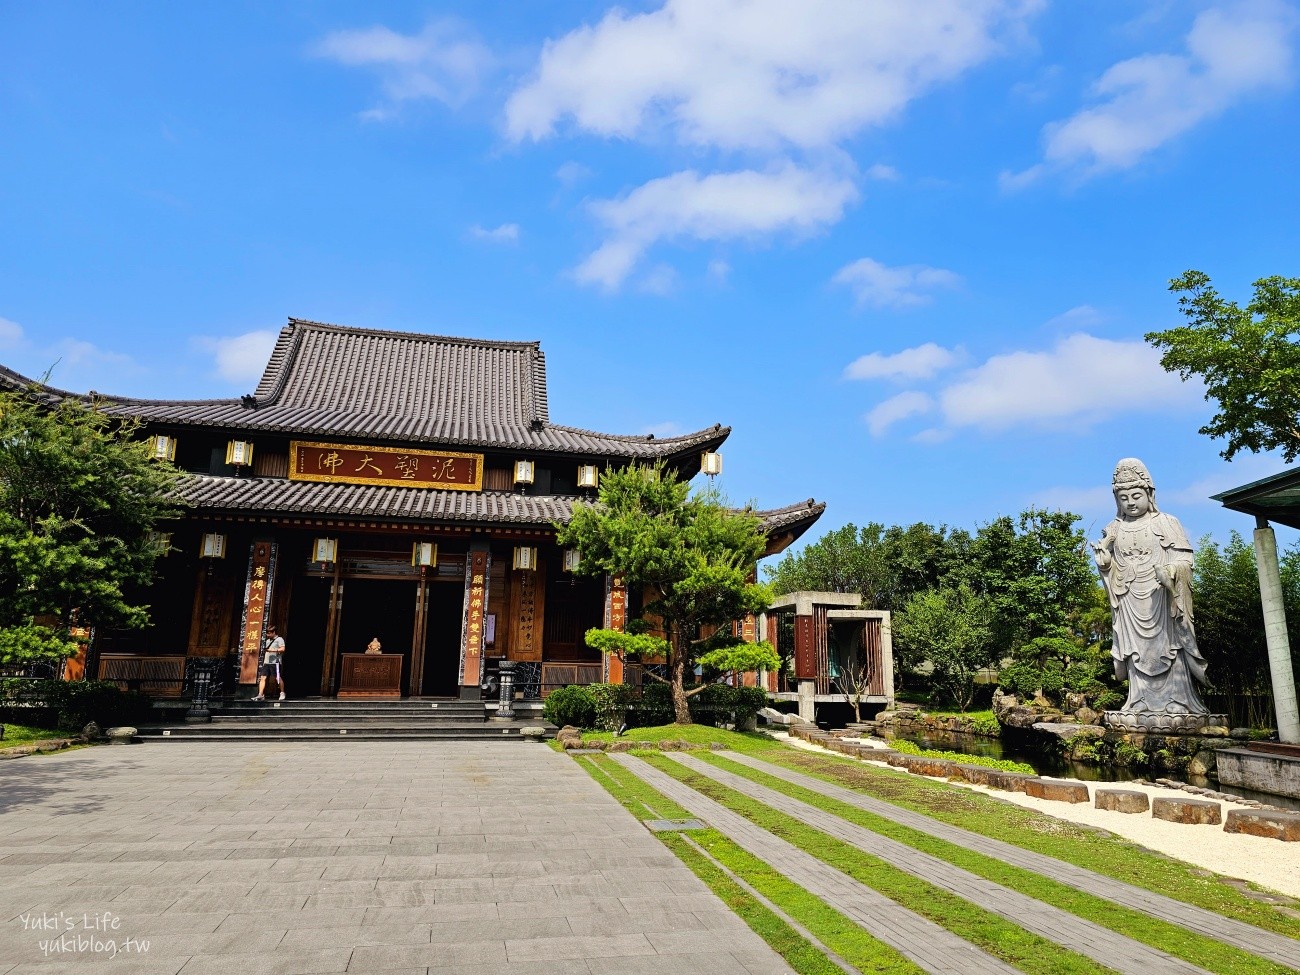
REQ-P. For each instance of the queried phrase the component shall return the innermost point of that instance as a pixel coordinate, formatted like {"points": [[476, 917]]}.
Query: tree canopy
{"points": [[78, 498], [694, 559], [1248, 359]]}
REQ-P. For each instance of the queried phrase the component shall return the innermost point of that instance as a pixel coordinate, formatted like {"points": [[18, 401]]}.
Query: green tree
{"points": [[1036, 575], [1226, 600], [886, 566], [1248, 359], [951, 627], [78, 497], [694, 559]]}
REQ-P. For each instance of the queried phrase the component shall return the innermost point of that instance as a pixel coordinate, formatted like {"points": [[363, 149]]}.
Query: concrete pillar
{"points": [[1279, 646], [807, 704]]}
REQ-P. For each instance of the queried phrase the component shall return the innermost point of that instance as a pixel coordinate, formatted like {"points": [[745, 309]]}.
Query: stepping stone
{"points": [[1009, 781], [1123, 800], [1192, 811], [1284, 826], [1057, 790]]}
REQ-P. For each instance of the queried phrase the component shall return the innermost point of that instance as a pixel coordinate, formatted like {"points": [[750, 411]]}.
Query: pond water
{"points": [[1053, 766]]}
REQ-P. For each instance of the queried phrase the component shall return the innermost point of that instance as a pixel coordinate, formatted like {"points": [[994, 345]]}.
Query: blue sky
{"points": [[907, 250]]}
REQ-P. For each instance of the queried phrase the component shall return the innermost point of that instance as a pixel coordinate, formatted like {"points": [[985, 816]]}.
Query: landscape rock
{"points": [[974, 774], [1191, 811], [621, 746], [1057, 790], [1202, 763], [1123, 800], [121, 736], [1009, 781], [535, 731], [91, 732], [1284, 826], [1088, 716]]}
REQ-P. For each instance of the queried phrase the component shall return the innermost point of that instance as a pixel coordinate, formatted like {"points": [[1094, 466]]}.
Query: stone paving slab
{"points": [[1284, 950], [929, 945], [362, 856], [1091, 940]]}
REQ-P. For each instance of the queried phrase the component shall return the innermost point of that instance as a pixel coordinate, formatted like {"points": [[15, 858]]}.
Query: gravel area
{"points": [[1269, 863]]}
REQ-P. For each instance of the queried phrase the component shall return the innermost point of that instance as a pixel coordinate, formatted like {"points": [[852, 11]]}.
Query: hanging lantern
{"points": [[213, 546], [162, 447], [325, 550], [710, 463], [572, 559], [588, 476], [239, 453], [525, 558], [424, 554], [524, 472]]}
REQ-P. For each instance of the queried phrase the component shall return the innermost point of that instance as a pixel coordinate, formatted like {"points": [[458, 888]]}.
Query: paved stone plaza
{"points": [[243, 859]]}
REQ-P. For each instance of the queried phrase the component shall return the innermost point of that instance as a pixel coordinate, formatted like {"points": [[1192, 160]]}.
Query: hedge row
{"points": [[607, 706], [71, 704]]}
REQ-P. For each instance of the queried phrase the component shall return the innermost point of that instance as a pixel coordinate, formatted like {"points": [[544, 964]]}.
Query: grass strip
{"points": [[1001, 938], [21, 734], [1197, 949], [837, 932], [1092, 849]]}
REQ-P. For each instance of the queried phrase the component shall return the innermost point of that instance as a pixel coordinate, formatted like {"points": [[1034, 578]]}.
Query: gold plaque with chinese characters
{"points": [[388, 466]]}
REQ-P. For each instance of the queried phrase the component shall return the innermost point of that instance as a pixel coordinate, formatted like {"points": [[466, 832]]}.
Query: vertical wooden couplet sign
{"points": [[615, 619], [471, 641], [748, 633], [257, 608]]}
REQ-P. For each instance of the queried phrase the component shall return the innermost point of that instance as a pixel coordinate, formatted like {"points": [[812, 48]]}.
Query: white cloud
{"points": [[240, 358], [882, 172], [443, 62], [719, 270], [721, 206], [75, 353], [921, 362], [757, 73], [507, 233], [875, 284], [11, 334], [1081, 381], [1083, 501], [660, 280], [897, 408], [572, 172], [1080, 316], [1232, 51]]}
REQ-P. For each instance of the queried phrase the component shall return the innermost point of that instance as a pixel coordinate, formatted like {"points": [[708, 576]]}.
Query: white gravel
{"points": [[1267, 862]]}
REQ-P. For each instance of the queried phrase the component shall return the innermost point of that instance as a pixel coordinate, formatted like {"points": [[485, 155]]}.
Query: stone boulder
{"points": [[1279, 825], [1056, 790], [1123, 800], [121, 736], [91, 732], [1192, 811], [622, 746], [1087, 716]]}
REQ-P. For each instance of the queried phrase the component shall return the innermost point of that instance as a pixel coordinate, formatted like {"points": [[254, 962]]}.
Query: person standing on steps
{"points": [[272, 658]]}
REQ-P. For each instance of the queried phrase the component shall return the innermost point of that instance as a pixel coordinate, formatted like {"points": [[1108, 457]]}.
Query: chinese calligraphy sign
{"points": [[476, 569], [387, 466], [257, 595]]}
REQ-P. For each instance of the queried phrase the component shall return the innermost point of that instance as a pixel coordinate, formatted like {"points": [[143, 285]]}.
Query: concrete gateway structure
{"points": [[383, 485]]}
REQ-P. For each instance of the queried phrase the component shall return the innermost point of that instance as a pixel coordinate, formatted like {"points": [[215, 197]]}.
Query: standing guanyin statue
{"points": [[1145, 561]]}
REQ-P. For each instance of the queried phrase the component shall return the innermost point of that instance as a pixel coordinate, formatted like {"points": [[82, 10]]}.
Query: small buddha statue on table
{"points": [[374, 646]]}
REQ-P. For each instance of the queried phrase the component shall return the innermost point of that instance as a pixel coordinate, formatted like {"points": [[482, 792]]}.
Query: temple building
{"points": [[386, 486]]}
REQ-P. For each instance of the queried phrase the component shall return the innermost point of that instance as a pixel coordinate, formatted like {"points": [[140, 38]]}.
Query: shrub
{"points": [[570, 705], [77, 702]]}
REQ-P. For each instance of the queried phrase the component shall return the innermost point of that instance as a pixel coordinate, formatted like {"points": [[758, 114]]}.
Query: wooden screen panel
{"points": [[805, 649], [270, 465], [871, 645]]}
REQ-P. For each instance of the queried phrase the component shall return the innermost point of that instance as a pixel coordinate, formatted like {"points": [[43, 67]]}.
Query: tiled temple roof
{"points": [[339, 382], [212, 494]]}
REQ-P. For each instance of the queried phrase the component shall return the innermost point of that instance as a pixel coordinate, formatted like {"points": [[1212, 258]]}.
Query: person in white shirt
{"points": [[272, 658]]}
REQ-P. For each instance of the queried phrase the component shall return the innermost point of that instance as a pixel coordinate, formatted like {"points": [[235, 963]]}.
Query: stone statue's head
{"points": [[1132, 473]]}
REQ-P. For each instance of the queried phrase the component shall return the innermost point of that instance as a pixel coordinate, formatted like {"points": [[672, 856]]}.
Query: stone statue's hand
{"points": [[1164, 577]]}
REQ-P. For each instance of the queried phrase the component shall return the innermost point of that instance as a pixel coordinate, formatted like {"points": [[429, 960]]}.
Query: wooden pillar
{"points": [[332, 633], [418, 640], [615, 619], [477, 565]]}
